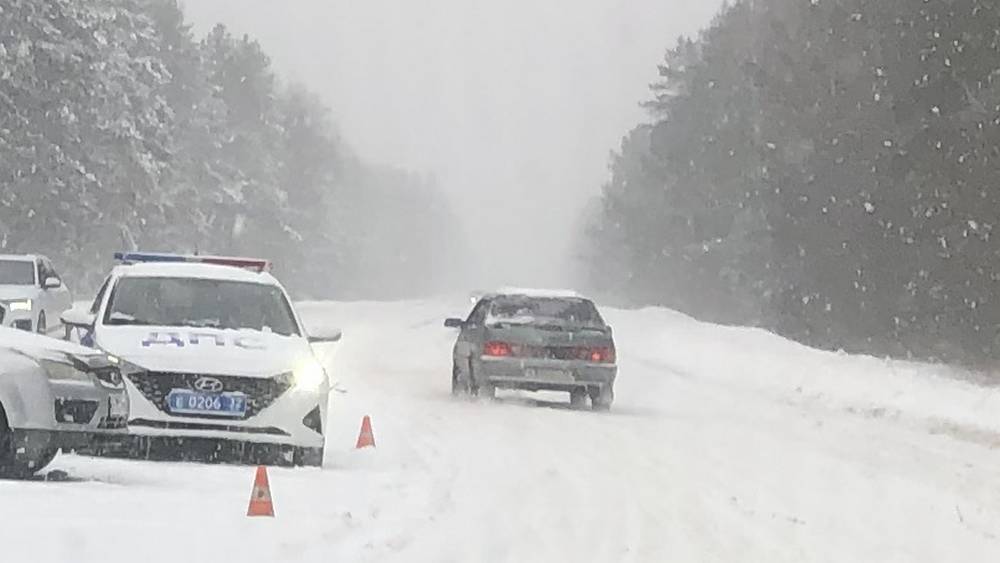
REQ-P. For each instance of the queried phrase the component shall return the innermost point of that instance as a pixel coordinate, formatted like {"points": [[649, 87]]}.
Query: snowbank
{"points": [[755, 359]]}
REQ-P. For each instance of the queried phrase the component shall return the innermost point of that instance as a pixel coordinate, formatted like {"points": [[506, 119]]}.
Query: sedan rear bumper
{"points": [[544, 375]]}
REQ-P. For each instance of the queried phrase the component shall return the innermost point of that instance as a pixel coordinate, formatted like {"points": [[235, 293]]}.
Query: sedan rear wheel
{"points": [[487, 391], [459, 385], [601, 399]]}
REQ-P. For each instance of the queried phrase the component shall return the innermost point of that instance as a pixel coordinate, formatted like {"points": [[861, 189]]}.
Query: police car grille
{"points": [[260, 392]]}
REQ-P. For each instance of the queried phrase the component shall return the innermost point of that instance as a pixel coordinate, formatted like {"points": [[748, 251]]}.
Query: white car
{"points": [[53, 395], [211, 349], [32, 295]]}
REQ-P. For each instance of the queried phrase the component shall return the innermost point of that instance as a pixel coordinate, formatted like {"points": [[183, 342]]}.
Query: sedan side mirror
{"points": [[454, 323], [325, 336], [52, 283], [78, 318]]}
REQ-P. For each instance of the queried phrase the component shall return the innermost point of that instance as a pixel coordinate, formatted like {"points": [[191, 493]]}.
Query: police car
{"points": [[212, 350]]}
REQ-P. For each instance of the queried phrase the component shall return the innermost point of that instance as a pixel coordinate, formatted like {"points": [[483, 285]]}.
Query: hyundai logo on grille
{"points": [[208, 384]]}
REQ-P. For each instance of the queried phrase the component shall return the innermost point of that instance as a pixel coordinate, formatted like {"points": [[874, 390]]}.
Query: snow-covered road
{"points": [[724, 445]]}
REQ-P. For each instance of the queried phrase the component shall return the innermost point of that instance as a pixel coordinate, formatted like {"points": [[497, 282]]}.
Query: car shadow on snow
{"points": [[516, 399], [539, 403], [53, 476]]}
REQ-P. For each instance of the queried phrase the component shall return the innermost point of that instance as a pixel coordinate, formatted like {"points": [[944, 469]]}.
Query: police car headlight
{"points": [[23, 305], [308, 375], [63, 371]]}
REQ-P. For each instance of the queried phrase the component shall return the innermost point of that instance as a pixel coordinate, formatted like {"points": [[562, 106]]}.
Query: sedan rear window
{"points": [[17, 272], [518, 310]]}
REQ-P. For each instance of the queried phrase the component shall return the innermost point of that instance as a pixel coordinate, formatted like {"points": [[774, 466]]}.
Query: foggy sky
{"points": [[512, 105]]}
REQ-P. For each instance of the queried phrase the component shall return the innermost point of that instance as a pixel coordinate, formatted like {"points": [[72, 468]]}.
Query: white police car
{"points": [[212, 350]]}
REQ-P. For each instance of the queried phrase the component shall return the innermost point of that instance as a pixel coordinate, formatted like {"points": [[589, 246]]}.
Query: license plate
{"points": [[182, 401], [552, 375]]}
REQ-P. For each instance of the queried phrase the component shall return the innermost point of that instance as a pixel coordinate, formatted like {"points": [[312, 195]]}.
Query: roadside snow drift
{"points": [[725, 444]]}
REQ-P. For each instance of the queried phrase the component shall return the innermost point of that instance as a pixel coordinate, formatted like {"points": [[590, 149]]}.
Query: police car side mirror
{"points": [[52, 283], [78, 318], [329, 335], [454, 323]]}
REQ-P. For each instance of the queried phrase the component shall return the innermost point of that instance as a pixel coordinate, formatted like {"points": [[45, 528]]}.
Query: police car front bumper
{"points": [[281, 415]]}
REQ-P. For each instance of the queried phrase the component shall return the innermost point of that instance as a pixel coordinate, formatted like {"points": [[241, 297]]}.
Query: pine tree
{"points": [[823, 169], [86, 135]]}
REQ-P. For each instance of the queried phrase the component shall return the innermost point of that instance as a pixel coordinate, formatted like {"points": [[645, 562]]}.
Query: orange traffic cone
{"points": [[366, 438], [260, 497]]}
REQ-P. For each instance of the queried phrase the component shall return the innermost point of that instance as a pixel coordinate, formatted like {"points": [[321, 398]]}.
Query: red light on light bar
{"points": [[254, 264]]}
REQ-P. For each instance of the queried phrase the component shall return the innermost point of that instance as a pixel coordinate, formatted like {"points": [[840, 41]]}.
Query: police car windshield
{"points": [[200, 303], [17, 272]]}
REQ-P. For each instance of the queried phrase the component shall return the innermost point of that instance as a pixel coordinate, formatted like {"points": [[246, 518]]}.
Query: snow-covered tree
{"points": [[825, 169], [120, 129]]}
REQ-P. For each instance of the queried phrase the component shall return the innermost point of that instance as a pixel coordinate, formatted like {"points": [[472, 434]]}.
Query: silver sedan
{"points": [[535, 341], [54, 395]]}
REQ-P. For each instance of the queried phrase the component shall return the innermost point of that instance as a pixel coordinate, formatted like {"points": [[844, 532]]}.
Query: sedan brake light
{"points": [[601, 355], [497, 349]]}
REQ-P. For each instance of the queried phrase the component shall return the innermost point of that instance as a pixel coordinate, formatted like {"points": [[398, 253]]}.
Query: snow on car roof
{"points": [[550, 293], [194, 270], [39, 346]]}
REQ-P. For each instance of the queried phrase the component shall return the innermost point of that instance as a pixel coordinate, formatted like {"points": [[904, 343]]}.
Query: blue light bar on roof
{"points": [[133, 257], [255, 264]]}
